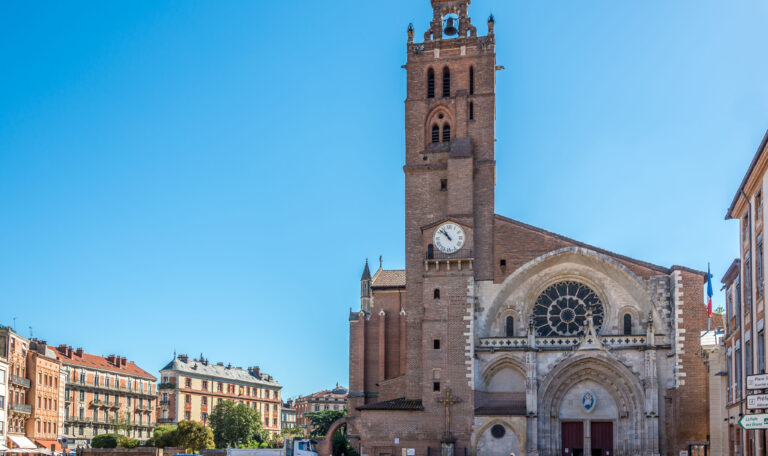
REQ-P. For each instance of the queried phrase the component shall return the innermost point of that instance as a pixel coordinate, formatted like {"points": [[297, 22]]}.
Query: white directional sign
{"points": [[756, 382], [759, 421], [757, 401]]}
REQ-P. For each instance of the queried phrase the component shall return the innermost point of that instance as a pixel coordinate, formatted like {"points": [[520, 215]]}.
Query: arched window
{"points": [[446, 82], [430, 252], [435, 133], [510, 327], [471, 111], [471, 80], [437, 293], [431, 83], [627, 324], [446, 133]]}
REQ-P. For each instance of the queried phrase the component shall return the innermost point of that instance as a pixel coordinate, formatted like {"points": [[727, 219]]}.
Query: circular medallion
{"points": [[561, 310], [498, 431]]}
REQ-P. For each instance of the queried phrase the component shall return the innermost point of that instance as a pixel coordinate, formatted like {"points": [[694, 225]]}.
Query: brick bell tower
{"points": [[449, 200]]}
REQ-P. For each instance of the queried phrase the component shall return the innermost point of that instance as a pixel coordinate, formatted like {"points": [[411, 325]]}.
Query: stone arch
{"points": [[434, 119], [537, 274], [325, 446], [622, 385], [515, 439], [498, 326], [501, 363], [637, 319]]}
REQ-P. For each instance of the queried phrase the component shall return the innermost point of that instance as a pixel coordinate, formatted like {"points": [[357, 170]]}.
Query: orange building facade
{"points": [[45, 421], [191, 388], [335, 399], [104, 394]]}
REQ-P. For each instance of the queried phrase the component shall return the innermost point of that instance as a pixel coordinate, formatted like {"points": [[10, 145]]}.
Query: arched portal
{"points": [[591, 399]]}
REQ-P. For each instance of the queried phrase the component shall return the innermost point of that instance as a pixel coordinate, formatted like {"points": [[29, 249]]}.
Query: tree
{"points": [[105, 441], [321, 421], [235, 425], [164, 436], [193, 436], [720, 310], [126, 442]]}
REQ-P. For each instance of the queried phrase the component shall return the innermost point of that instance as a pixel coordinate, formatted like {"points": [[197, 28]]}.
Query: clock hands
{"points": [[446, 234]]}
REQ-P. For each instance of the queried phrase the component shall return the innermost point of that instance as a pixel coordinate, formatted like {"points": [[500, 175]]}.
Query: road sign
{"points": [[757, 401], [758, 421], [756, 382]]}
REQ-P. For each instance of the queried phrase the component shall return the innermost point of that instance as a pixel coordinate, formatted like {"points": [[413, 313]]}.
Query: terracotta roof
{"points": [[338, 393], [751, 168], [732, 272], [388, 278], [395, 404], [71, 357]]}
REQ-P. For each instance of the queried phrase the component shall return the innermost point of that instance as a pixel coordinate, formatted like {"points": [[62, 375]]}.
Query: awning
{"points": [[22, 442], [47, 444]]}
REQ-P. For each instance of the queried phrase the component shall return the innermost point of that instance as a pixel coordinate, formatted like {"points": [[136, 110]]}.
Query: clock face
{"points": [[449, 238]]}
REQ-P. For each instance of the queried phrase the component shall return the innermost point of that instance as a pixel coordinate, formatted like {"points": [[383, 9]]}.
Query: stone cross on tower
{"points": [[448, 400]]}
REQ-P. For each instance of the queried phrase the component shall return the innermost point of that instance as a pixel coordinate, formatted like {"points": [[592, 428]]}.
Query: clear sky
{"points": [[209, 177]]}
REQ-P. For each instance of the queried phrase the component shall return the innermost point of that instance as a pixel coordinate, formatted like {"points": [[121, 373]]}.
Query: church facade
{"points": [[500, 337]]}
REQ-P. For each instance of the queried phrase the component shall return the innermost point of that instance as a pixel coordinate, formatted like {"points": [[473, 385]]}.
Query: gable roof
{"points": [[389, 278], [72, 358], [619, 257]]}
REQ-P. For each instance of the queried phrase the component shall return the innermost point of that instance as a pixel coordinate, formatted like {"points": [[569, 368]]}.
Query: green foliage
{"points": [[720, 310], [340, 445], [126, 442], [164, 436], [321, 421], [105, 441], [193, 436], [236, 424]]}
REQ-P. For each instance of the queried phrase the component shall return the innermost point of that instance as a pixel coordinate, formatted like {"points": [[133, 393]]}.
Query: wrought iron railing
{"points": [[462, 254], [21, 408]]}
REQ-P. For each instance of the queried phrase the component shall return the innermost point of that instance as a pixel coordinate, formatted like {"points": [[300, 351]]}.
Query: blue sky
{"points": [[210, 176]]}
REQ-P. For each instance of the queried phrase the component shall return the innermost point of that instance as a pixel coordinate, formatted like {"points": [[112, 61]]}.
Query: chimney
{"points": [[184, 358], [62, 349], [123, 362], [257, 371], [69, 351], [111, 359], [79, 351]]}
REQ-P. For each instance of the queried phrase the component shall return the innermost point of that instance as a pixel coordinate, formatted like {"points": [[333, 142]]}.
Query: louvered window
{"points": [[446, 133], [431, 83], [435, 134], [446, 82]]}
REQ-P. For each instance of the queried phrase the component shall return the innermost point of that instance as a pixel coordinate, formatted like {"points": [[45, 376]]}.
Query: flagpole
{"points": [[709, 286]]}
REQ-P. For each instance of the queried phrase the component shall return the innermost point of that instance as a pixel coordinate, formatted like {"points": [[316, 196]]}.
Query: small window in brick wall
{"points": [[446, 82], [471, 80], [431, 83], [443, 185], [437, 293], [436, 386], [436, 344], [502, 263], [430, 251], [446, 133], [435, 134], [471, 111]]}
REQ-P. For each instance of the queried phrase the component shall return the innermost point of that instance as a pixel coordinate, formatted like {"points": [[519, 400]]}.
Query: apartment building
{"points": [[3, 395], [191, 388], [745, 287], [288, 415], [44, 423], [19, 384], [104, 394], [333, 399]]}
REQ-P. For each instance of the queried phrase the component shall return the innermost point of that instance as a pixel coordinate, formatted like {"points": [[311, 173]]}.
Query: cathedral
{"points": [[501, 338]]}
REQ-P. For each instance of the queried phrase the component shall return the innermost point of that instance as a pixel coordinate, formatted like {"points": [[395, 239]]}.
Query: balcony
{"points": [[166, 386], [21, 408], [20, 381], [437, 261], [116, 389], [113, 405], [97, 403], [165, 421], [165, 402], [143, 408]]}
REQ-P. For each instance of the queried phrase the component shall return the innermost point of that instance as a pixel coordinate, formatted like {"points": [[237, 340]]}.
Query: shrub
{"points": [[105, 441]]}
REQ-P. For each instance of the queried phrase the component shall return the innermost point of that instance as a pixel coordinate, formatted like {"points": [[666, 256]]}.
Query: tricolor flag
{"points": [[709, 293]]}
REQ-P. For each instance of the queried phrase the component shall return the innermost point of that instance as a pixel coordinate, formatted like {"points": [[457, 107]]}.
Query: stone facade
{"points": [[514, 340]]}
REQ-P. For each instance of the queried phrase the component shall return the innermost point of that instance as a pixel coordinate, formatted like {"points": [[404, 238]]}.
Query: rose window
{"points": [[561, 310]]}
